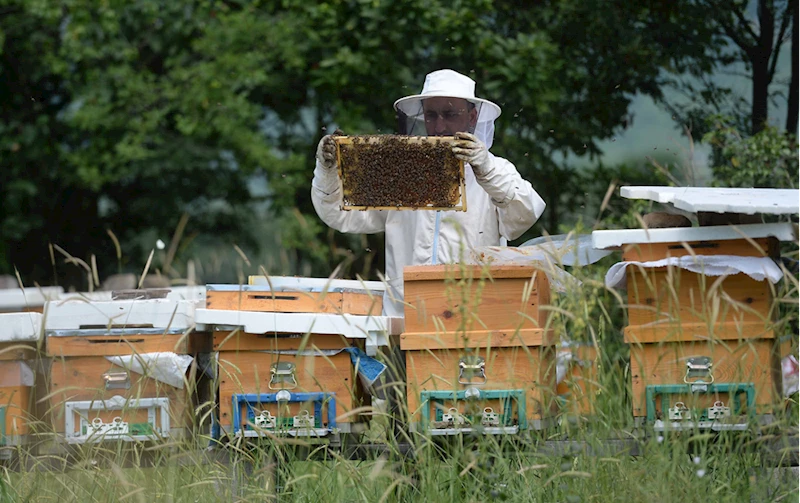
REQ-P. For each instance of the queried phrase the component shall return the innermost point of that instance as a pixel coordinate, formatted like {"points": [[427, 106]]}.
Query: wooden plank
{"points": [[81, 378], [531, 369], [458, 193], [249, 372], [457, 271], [111, 345], [751, 361], [646, 252], [243, 341], [500, 304], [686, 297], [530, 337], [674, 332], [295, 302]]}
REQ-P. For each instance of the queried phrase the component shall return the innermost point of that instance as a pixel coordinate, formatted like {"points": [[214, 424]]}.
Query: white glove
{"points": [[469, 148], [326, 150]]}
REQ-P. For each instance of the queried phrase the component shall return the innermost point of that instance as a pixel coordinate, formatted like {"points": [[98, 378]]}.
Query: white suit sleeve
{"points": [[326, 195], [518, 204]]}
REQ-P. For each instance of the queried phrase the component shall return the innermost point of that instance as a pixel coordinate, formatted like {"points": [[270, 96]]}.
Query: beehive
{"points": [[19, 335], [262, 298], [471, 329], [400, 172], [133, 379], [315, 370], [702, 347]]}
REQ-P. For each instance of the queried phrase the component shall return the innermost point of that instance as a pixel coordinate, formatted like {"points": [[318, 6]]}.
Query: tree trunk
{"points": [[760, 57], [791, 117]]}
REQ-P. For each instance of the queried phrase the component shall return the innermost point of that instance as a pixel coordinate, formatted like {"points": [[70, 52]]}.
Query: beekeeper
{"points": [[501, 204]]}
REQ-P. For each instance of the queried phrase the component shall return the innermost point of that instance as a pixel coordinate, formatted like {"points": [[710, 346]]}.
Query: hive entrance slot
{"points": [[112, 327], [115, 341], [694, 246], [274, 297]]}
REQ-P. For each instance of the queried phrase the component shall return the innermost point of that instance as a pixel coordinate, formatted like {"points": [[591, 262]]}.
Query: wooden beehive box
{"points": [[249, 364], [661, 361], [681, 321], [19, 336], [133, 361], [455, 316], [400, 172], [352, 299]]}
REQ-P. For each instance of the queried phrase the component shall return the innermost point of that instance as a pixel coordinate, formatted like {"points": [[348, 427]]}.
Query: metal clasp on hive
{"points": [[699, 368], [282, 376], [470, 367]]}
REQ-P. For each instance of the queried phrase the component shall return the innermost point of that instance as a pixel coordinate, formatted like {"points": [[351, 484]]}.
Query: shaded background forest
{"points": [[195, 122]]}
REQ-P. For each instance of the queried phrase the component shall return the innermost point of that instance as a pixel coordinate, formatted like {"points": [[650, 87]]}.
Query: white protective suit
{"points": [[501, 206]]}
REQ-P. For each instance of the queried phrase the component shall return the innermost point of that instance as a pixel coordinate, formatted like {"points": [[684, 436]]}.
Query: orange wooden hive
{"points": [[19, 336], [265, 364], [715, 331], [144, 377], [472, 329]]}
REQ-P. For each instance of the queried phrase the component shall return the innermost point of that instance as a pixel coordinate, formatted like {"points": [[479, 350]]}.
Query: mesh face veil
{"points": [[447, 105]]}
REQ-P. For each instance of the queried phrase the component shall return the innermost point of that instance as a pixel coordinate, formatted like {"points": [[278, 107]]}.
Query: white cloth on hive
{"points": [[758, 268], [166, 367], [559, 279]]}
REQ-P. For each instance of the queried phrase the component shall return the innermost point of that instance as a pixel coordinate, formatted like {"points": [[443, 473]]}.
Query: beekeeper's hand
{"points": [[326, 150], [469, 148]]}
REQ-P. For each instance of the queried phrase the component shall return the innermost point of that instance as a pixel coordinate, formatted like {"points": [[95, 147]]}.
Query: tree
{"points": [[150, 110], [754, 34]]}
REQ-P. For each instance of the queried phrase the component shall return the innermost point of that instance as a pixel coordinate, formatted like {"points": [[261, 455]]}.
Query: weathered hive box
{"points": [[19, 335], [700, 321], [478, 348], [30, 299], [286, 365], [122, 370], [400, 172]]}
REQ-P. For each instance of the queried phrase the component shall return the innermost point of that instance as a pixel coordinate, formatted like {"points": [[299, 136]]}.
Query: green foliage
{"points": [[125, 116], [766, 159]]}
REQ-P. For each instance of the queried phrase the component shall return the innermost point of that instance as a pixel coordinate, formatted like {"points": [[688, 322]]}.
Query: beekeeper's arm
{"points": [[326, 195], [518, 205]]}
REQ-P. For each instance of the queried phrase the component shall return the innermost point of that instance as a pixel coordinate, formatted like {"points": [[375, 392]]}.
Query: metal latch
{"points": [[718, 411], [282, 376], [699, 368], [115, 427], [453, 417], [304, 420], [679, 412], [117, 380], [490, 417], [471, 367], [265, 420]]}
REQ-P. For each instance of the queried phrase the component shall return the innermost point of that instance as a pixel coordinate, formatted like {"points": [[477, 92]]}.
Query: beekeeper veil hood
{"points": [[446, 84]]}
